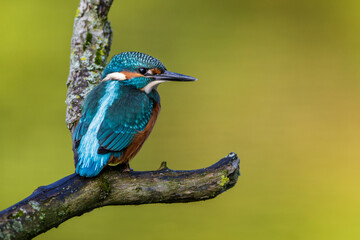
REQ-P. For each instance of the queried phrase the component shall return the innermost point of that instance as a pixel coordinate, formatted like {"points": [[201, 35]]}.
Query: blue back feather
{"points": [[112, 116], [89, 162]]}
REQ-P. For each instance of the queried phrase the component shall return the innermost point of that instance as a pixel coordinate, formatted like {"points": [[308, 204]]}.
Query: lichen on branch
{"points": [[90, 47], [73, 195]]}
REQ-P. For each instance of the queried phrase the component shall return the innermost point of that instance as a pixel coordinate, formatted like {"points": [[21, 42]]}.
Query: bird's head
{"points": [[140, 71]]}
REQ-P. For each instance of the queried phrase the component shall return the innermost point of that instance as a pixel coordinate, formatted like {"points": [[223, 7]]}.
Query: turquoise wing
{"points": [[89, 109], [128, 115]]}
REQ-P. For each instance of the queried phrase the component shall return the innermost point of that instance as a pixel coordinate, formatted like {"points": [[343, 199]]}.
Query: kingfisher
{"points": [[119, 113]]}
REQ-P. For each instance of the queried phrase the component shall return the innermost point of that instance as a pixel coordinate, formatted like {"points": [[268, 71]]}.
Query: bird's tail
{"points": [[90, 166]]}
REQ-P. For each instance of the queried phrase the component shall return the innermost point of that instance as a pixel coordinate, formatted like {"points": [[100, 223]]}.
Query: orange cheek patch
{"points": [[156, 71], [130, 75]]}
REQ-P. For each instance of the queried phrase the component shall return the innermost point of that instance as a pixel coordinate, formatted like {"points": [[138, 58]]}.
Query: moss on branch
{"points": [[73, 195]]}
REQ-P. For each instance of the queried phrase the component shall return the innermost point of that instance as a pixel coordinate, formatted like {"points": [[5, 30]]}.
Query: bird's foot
{"points": [[123, 167]]}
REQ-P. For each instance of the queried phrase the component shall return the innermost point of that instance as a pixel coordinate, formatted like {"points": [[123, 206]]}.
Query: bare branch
{"points": [[73, 195], [90, 47]]}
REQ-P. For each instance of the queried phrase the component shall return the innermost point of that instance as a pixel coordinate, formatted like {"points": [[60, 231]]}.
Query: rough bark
{"points": [[90, 47], [73, 195]]}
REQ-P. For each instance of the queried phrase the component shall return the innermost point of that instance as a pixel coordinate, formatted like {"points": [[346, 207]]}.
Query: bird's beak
{"points": [[171, 76]]}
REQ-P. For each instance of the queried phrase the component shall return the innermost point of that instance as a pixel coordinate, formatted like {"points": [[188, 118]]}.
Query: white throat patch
{"points": [[148, 88], [115, 76]]}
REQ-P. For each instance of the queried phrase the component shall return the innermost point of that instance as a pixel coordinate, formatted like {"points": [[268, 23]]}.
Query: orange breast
{"points": [[130, 151]]}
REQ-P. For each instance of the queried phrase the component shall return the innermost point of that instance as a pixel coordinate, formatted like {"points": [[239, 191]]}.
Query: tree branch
{"points": [[90, 47], [73, 195]]}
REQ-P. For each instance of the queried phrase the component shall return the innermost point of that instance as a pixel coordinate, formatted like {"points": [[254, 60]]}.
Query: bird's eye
{"points": [[142, 70]]}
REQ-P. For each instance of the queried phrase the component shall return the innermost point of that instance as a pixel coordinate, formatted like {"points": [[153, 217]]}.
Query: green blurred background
{"points": [[278, 85]]}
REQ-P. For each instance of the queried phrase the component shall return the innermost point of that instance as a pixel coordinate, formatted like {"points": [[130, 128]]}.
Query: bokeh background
{"points": [[278, 85]]}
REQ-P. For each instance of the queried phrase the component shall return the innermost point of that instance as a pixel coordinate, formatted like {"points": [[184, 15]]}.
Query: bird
{"points": [[119, 113]]}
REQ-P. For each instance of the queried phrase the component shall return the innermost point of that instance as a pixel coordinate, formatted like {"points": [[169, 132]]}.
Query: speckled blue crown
{"points": [[131, 61]]}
